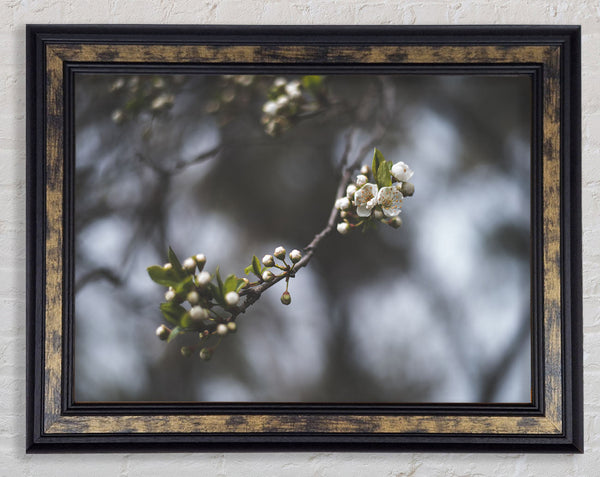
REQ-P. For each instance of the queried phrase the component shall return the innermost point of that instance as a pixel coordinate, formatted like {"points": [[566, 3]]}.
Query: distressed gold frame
{"points": [[552, 422]]}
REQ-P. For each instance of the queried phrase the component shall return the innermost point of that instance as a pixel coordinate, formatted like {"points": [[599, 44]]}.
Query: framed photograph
{"points": [[292, 238]]}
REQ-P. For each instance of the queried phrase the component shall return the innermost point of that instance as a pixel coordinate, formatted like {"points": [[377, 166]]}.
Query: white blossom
{"points": [[198, 313], [343, 228], [295, 256], [282, 101], [189, 263], [270, 108], [193, 297], [293, 89], [401, 171], [279, 252], [350, 190], [203, 278], [167, 266], [279, 82], [221, 329], [232, 298], [162, 100], [268, 261], [361, 180], [170, 294], [342, 203], [390, 200], [365, 199]]}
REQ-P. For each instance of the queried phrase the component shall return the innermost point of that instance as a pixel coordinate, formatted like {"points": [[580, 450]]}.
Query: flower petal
{"points": [[363, 211], [390, 200], [401, 171]]}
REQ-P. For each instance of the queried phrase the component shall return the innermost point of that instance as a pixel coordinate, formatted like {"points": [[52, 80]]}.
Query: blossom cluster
{"points": [[201, 302], [287, 101], [233, 90], [141, 94], [380, 200]]}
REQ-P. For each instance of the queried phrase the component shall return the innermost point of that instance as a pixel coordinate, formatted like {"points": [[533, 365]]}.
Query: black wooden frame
{"points": [[552, 422]]}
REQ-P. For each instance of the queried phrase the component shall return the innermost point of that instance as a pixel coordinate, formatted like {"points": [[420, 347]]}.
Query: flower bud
{"points": [[395, 222], [377, 214], [167, 266], [279, 253], [198, 313], [203, 279], [286, 298], [232, 298], [200, 260], [267, 276], [232, 326], [350, 190], [343, 228], [246, 281], [170, 294], [193, 297], [189, 264], [342, 203], [365, 170], [205, 354], [270, 108], [222, 329], [295, 256], [343, 214], [407, 189], [186, 351], [268, 261], [279, 82], [163, 333], [361, 180]]}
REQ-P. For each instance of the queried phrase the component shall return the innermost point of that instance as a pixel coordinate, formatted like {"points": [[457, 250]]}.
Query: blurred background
{"points": [[436, 311]]}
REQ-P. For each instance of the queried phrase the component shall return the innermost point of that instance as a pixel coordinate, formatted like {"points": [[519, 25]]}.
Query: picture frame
{"points": [[548, 55]]}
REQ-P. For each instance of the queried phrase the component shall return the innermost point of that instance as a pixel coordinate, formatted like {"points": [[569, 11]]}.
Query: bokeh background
{"points": [[437, 311]]}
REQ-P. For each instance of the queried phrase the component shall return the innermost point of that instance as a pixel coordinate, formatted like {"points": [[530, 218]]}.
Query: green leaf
{"points": [[217, 294], [184, 286], [378, 159], [174, 332], [249, 269], [240, 285], [172, 312], [174, 260], [384, 177], [219, 280], [256, 266], [231, 283], [312, 82], [167, 278]]}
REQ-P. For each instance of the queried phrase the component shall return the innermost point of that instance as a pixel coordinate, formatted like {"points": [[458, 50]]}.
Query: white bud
{"points": [[395, 222], [342, 203], [407, 189], [365, 170], [200, 259], [232, 327], [193, 297], [293, 89], [163, 332], [167, 266], [279, 253], [279, 82], [232, 298], [377, 214], [295, 256], [189, 264], [267, 276], [170, 295], [350, 190], [221, 329], [361, 180], [203, 278], [343, 228], [268, 261], [282, 101], [198, 313], [205, 354], [270, 108]]}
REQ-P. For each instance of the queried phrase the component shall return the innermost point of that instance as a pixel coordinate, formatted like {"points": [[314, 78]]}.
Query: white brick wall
{"points": [[14, 14]]}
